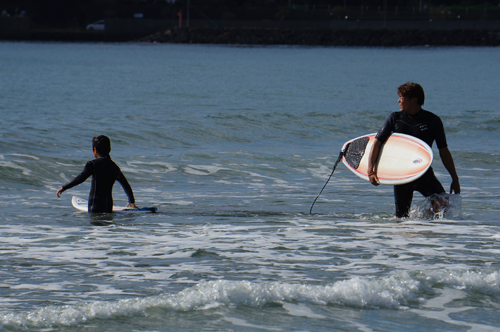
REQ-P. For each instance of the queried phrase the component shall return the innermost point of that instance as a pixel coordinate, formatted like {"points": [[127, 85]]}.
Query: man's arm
{"points": [[448, 163], [372, 160]]}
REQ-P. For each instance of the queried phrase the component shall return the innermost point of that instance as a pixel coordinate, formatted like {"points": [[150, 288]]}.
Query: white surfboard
{"points": [[403, 158], [82, 205]]}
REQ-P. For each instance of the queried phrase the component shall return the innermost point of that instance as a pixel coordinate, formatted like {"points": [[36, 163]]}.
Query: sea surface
{"points": [[232, 144]]}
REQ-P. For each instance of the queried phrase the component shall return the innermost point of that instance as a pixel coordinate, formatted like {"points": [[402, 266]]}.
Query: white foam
{"points": [[440, 309], [244, 323], [150, 167], [359, 292], [301, 310], [202, 169], [178, 202], [395, 291], [25, 156], [424, 210], [9, 164]]}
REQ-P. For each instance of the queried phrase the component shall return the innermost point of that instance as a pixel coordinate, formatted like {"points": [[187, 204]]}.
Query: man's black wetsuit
{"points": [[104, 174], [429, 128]]}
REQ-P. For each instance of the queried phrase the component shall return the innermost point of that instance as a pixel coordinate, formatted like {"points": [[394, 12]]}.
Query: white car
{"points": [[98, 25]]}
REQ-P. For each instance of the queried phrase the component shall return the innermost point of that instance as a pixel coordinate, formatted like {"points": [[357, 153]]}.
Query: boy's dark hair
{"points": [[102, 144], [412, 90]]}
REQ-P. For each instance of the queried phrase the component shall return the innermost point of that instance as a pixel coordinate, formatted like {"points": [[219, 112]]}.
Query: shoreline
{"points": [[276, 36], [325, 37]]}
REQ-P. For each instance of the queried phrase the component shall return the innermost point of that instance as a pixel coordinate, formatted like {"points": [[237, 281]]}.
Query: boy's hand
{"points": [[132, 205], [59, 192]]}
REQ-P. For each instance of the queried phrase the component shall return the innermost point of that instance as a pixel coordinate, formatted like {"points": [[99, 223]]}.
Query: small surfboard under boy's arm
{"points": [[82, 205]]}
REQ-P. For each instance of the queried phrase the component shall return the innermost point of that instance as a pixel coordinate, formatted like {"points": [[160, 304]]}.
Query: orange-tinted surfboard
{"points": [[403, 158]]}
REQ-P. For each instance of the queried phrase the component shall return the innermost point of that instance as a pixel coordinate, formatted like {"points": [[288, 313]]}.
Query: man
{"points": [[413, 120]]}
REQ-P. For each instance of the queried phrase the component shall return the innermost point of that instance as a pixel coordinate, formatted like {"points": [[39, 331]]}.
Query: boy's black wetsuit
{"points": [[429, 128], [104, 174]]}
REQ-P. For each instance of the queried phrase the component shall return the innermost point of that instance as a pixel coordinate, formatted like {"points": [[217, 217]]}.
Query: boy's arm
{"points": [[80, 178], [128, 190]]}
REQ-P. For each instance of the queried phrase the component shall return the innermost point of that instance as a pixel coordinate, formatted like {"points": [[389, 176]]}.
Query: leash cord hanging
{"points": [[334, 167]]}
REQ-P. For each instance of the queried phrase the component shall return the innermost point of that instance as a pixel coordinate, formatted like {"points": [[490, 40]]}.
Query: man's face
{"points": [[408, 105]]}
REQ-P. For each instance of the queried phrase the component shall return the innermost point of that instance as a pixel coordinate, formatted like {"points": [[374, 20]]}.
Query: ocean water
{"points": [[232, 144]]}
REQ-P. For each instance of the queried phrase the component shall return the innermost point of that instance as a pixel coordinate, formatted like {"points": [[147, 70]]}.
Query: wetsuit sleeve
{"points": [[126, 187], [439, 134], [80, 178], [387, 128]]}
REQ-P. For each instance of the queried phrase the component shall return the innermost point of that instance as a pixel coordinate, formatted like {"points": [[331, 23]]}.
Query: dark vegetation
{"points": [[76, 14]]}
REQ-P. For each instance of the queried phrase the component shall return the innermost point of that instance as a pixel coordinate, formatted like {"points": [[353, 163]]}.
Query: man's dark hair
{"points": [[102, 144], [412, 90]]}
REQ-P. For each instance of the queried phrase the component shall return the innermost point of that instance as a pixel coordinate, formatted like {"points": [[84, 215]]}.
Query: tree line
{"points": [[79, 13]]}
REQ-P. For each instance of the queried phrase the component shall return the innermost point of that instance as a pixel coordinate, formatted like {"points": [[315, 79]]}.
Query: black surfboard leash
{"points": [[333, 170]]}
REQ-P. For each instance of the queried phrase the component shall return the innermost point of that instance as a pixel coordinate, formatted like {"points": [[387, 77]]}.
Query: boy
{"points": [[104, 174], [427, 126]]}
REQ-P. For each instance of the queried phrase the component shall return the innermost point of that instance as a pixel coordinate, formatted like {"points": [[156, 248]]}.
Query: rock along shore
{"points": [[325, 37]]}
